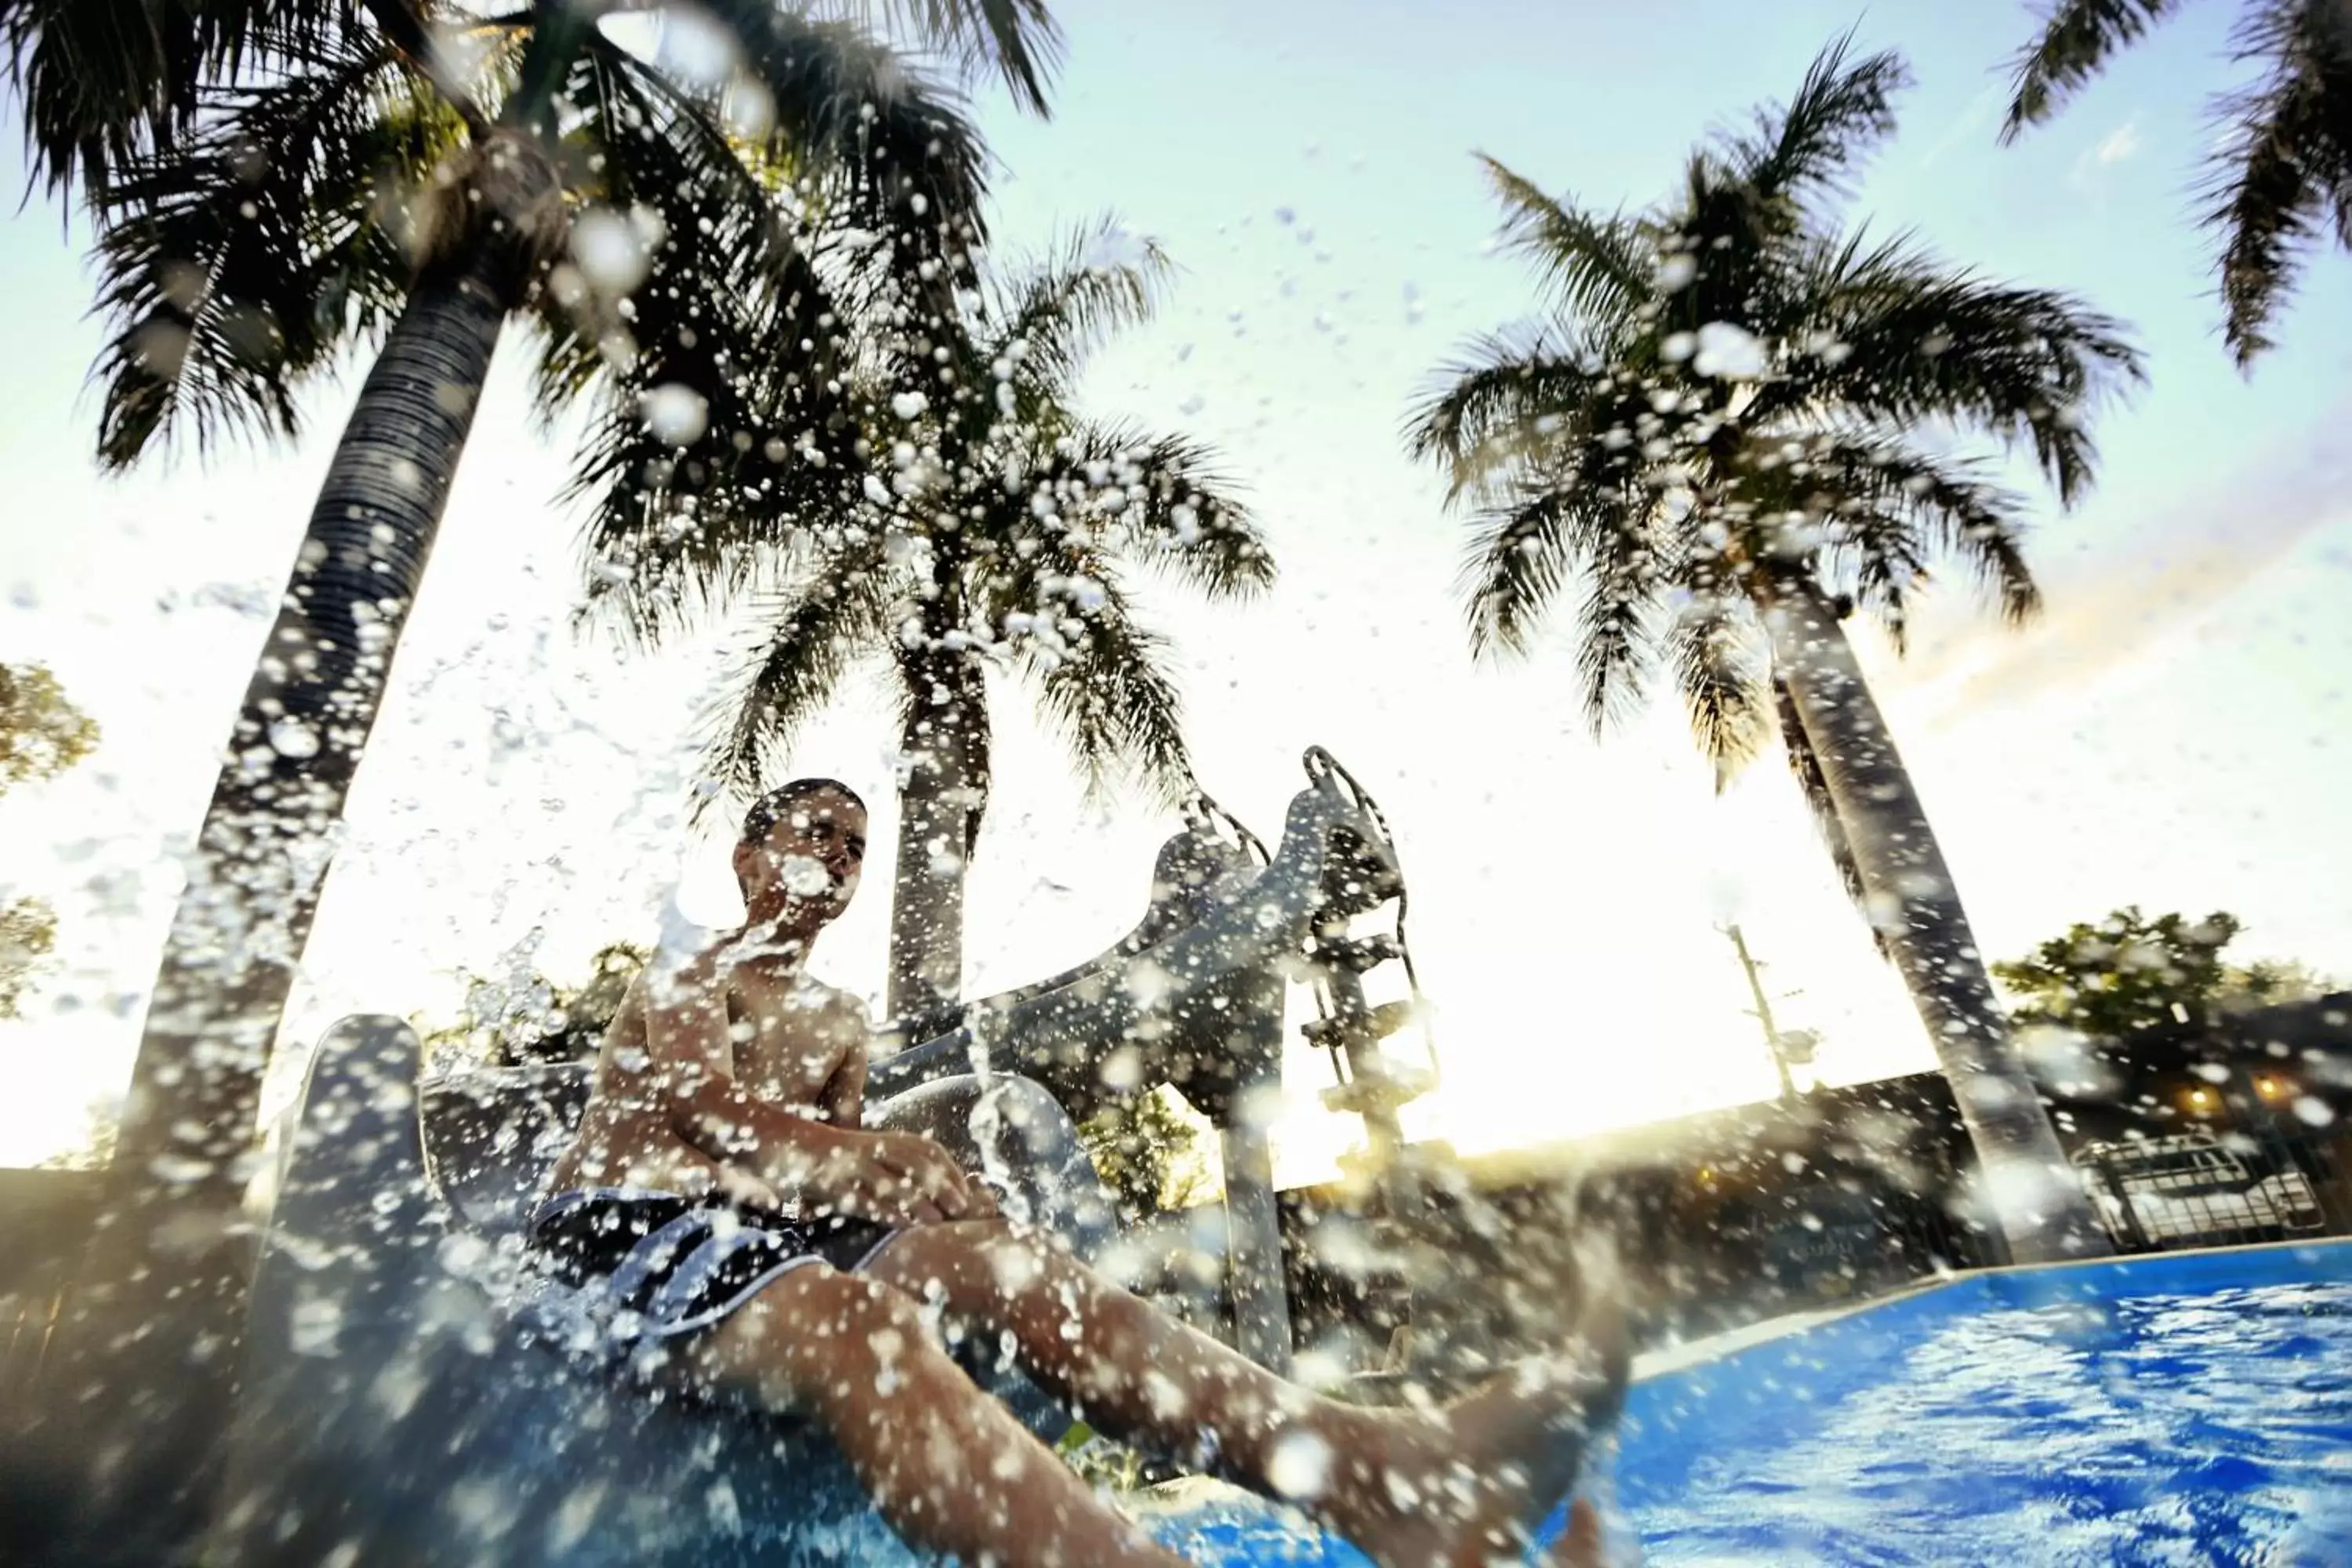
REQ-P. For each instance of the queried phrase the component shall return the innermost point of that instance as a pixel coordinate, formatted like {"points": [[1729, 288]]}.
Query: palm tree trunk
{"points": [[1915, 902], [944, 737], [154, 1328]]}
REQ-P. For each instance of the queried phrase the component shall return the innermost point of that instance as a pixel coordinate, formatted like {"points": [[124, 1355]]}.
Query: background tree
{"points": [[1147, 1153], [533, 1018], [42, 734], [2115, 977], [2279, 179], [28, 932], [978, 522], [1732, 425]]}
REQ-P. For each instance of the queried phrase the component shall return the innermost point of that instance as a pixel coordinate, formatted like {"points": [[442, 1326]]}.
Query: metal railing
{"points": [[2224, 1186]]}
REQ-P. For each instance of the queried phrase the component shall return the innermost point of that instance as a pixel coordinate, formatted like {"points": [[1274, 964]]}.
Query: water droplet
{"points": [[675, 414], [293, 738], [1300, 1464]]}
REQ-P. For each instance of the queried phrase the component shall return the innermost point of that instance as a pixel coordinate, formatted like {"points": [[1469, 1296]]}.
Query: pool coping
{"points": [[1713, 1348]]}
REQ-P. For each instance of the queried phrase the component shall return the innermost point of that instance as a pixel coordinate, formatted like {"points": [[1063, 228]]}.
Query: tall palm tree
{"points": [[1736, 424], [409, 184], [2281, 175], [968, 519]]}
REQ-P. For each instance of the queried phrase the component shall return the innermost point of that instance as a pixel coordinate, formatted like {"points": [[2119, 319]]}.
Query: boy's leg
{"points": [[948, 1466], [1457, 1485]]}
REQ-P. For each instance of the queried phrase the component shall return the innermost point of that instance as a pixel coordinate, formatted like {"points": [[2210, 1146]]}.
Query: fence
{"points": [[2249, 1183]]}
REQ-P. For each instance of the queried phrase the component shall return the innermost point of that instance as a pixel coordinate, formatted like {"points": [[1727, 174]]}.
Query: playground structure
{"points": [[389, 1406]]}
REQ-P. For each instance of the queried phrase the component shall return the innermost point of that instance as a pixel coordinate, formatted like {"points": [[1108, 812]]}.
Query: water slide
{"points": [[391, 1411]]}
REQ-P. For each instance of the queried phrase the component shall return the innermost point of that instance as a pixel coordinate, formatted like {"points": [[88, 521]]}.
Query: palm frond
{"points": [[1511, 397], [1052, 314], [886, 148], [2286, 160], [1018, 38], [814, 632], [736, 328], [1811, 146], [2077, 39], [1592, 266], [107, 85], [1175, 511], [1711, 648], [1888, 506], [1615, 624], [235, 267], [1519, 558], [1892, 335], [717, 239], [1108, 693]]}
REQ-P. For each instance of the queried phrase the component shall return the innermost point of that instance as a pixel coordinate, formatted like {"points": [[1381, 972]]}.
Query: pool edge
{"points": [[1733, 1341]]}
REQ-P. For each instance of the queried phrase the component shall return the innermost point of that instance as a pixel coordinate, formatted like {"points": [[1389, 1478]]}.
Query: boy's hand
{"points": [[898, 1178]]}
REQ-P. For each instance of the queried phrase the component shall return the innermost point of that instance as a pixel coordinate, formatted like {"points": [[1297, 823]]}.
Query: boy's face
{"points": [[812, 855]]}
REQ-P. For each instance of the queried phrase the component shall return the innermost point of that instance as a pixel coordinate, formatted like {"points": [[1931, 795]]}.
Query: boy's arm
{"points": [[889, 1177], [844, 1100]]}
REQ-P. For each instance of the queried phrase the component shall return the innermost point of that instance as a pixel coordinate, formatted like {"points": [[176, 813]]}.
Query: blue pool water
{"points": [[2161, 1410]]}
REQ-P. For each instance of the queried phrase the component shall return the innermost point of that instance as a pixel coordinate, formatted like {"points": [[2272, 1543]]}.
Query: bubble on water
{"points": [[675, 414], [1300, 1464], [293, 738]]}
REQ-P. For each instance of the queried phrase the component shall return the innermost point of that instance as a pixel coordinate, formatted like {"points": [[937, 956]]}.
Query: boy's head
{"points": [[803, 844]]}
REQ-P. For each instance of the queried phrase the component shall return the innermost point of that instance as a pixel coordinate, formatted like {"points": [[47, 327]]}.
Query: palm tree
{"points": [[2281, 175], [1735, 424], [365, 191], [968, 519]]}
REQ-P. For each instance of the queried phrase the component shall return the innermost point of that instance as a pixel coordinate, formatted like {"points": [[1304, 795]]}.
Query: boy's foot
{"points": [[1467, 1490]]}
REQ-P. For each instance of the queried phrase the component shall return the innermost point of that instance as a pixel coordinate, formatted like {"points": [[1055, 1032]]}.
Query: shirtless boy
{"points": [[723, 1188]]}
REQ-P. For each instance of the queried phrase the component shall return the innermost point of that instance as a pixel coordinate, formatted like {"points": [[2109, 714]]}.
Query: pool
{"points": [[2178, 1409], [2181, 1409]]}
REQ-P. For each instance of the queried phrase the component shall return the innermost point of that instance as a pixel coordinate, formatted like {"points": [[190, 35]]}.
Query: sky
{"points": [[2169, 735]]}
